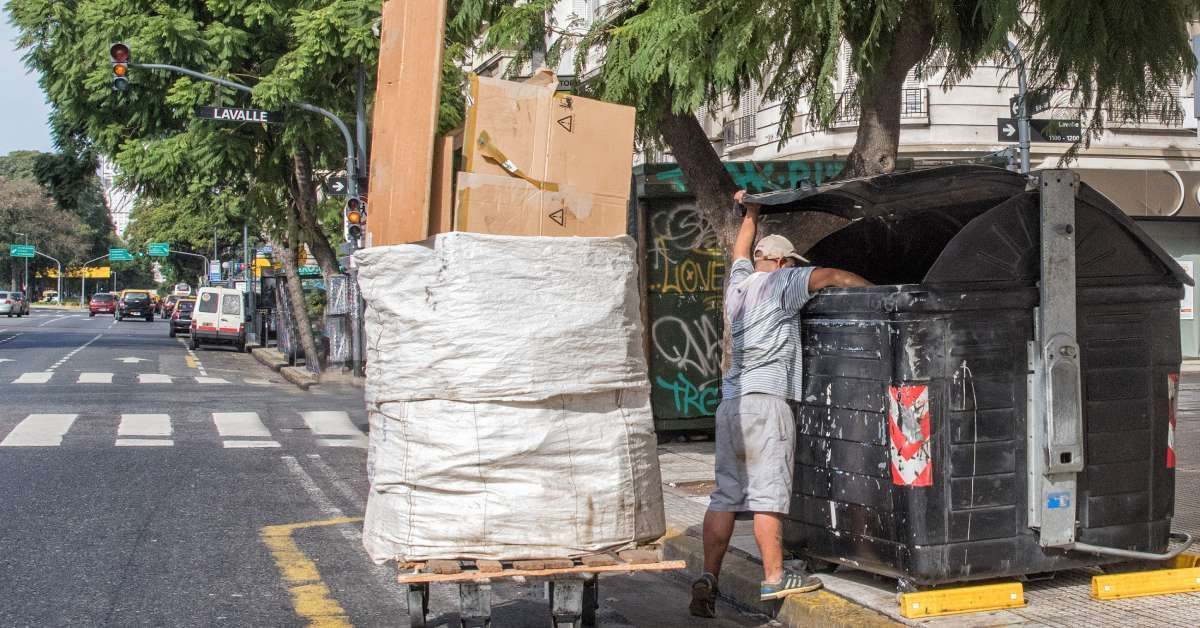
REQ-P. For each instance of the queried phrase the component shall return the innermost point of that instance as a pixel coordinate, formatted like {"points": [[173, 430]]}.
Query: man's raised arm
{"points": [[745, 238]]}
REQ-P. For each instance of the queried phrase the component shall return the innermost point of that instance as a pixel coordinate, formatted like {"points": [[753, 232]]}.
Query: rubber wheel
{"points": [[171, 332], [418, 605], [150, 319], [91, 315]]}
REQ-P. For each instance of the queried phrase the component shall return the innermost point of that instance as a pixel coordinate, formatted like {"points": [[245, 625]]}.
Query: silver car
{"points": [[13, 304]]}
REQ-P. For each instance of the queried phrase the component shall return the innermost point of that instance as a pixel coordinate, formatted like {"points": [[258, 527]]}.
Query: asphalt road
{"points": [[143, 484]]}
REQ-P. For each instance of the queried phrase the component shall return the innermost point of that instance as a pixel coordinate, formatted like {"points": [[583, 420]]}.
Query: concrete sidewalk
{"points": [[857, 598]]}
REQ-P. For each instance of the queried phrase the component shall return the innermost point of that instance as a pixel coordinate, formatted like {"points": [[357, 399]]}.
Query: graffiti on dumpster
{"points": [[686, 272]]}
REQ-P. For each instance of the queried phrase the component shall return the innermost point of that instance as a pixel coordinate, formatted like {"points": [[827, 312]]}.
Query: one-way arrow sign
{"points": [[1052, 131], [336, 186], [131, 360]]}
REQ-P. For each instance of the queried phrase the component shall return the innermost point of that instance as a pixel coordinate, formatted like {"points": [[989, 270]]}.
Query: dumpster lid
{"points": [[901, 224]]}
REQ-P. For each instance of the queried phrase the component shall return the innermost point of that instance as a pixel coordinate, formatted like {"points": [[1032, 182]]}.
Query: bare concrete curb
{"points": [[270, 358], [742, 576], [299, 376]]}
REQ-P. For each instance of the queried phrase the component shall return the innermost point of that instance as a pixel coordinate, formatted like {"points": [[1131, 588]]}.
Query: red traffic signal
{"points": [[118, 54]]}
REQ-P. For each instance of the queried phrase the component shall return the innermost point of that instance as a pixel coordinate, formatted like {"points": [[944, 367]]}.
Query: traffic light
{"points": [[118, 53], [355, 218]]}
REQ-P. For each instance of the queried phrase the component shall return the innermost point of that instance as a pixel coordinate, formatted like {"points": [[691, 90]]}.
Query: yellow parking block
{"points": [[1183, 561], [970, 599], [1142, 583]]}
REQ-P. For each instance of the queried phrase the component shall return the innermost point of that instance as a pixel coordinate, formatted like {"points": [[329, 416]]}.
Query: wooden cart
{"points": [[572, 583]]}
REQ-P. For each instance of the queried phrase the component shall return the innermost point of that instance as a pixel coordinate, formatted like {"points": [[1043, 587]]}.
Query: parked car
{"points": [[10, 304], [219, 318], [181, 316], [135, 304], [102, 303]]}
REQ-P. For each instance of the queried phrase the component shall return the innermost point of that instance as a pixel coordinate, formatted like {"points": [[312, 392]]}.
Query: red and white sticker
{"points": [[1172, 407], [908, 436]]}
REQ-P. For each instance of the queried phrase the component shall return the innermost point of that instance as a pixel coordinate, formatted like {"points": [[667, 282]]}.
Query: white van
{"points": [[219, 318]]}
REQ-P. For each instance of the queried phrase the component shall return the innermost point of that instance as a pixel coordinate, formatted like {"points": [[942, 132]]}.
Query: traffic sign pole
{"points": [[1023, 116]]}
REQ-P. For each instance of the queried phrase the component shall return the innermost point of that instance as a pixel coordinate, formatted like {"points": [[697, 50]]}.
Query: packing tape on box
{"points": [[493, 152]]}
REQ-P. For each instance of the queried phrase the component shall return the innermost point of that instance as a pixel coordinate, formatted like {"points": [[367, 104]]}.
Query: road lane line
{"points": [[193, 360], [144, 442], [144, 425], [52, 320], [74, 351], [249, 444], [153, 378], [211, 380], [331, 476], [240, 424], [34, 378], [40, 430], [95, 378], [311, 598]]}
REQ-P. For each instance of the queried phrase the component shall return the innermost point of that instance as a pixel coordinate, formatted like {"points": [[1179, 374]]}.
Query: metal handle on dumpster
{"points": [[1184, 538]]}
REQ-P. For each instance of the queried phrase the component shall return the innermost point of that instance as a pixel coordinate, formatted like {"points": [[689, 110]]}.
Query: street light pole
{"points": [[83, 277], [1023, 113], [204, 281], [25, 282]]}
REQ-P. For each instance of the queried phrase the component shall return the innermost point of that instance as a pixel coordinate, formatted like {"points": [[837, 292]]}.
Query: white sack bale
{"points": [[558, 478], [474, 317]]}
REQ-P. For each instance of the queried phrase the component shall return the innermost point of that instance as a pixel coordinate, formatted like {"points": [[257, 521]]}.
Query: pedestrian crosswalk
{"points": [[228, 430], [46, 377]]}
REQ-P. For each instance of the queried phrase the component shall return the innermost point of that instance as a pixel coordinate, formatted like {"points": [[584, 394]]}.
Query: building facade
{"points": [[118, 199]]}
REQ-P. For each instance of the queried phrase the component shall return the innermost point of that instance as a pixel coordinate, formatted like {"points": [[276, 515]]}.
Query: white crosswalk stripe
{"points": [[153, 378], [34, 378], [40, 430], [45, 377], [234, 430], [95, 378]]}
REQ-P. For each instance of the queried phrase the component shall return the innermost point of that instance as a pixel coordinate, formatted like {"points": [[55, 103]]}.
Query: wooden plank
{"points": [[441, 198], [598, 560], [444, 566], [559, 563], [407, 92], [666, 565], [532, 565], [489, 566], [639, 556]]}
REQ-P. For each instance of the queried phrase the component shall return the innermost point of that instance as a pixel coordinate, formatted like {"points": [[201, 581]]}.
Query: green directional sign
{"points": [[119, 255], [20, 250], [158, 249]]}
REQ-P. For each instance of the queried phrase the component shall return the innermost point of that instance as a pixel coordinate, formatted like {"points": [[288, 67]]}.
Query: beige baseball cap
{"points": [[777, 247]]}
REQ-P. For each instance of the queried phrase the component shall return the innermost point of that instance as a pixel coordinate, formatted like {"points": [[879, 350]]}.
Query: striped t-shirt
{"points": [[763, 312]]}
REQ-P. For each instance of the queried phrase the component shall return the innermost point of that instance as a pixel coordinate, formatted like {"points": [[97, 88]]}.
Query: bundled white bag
{"points": [[509, 403], [558, 478], [475, 317]]}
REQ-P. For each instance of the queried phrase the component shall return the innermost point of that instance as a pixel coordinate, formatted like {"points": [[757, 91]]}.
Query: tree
{"points": [[26, 208], [670, 57], [288, 52]]}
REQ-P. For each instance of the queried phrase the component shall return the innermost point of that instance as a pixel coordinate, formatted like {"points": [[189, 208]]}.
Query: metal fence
{"points": [[739, 130], [914, 103]]}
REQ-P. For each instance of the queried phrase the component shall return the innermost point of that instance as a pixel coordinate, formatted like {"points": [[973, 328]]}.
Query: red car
{"points": [[102, 302]]}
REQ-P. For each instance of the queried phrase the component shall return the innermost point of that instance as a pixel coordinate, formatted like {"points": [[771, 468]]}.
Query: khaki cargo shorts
{"points": [[756, 441]]}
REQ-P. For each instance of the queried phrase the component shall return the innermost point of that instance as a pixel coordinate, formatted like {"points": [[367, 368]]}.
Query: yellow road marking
{"points": [[310, 597], [191, 362]]}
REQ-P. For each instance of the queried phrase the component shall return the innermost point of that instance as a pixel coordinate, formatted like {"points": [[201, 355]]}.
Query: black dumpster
{"points": [[911, 449]]}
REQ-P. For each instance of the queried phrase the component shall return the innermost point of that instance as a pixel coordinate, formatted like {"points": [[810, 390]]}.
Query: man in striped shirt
{"points": [[755, 427]]}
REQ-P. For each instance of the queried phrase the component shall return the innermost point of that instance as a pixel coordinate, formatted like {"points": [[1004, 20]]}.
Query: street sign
{"points": [[336, 186], [21, 250], [119, 255], [158, 249], [1037, 102], [230, 114], [1054, 131], [214, 271]]}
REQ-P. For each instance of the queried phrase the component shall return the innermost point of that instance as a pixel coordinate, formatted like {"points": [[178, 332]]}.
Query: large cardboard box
{"points": [[537, 162]]}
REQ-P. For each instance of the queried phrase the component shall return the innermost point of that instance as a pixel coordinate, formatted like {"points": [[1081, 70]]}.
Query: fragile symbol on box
{"points": [[559, 218], [909, 431], [567, 123]]}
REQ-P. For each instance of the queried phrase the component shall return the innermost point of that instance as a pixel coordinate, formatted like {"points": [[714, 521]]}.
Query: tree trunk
{"points": [[295, 294], [878, 137], [704, 174], [306, 211]]}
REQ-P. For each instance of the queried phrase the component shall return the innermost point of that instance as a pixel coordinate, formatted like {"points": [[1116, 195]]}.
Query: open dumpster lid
{"points": [[905, 227]]}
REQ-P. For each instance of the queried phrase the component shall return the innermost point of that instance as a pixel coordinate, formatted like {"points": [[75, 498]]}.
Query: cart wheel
{"points": [[418, 604], [591, 600]]}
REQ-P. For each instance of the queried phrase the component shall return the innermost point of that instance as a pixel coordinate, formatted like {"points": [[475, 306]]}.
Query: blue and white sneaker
{"points": [[791, 582]]}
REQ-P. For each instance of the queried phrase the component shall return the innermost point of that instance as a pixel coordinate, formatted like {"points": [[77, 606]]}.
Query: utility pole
{"points": [[25, 282], [1023, 113]]}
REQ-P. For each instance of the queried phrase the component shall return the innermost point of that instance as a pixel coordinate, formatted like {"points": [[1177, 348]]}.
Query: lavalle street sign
{"points": [[21, 250], [1054, 131], [158, 249], [230, 114], [119, 255]]}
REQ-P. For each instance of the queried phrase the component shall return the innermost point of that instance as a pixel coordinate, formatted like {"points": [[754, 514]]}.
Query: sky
{"points": [[23, 107]]}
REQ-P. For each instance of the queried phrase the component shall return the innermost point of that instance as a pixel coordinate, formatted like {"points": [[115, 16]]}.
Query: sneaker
{"points": [[704, 596], [792, 582]]}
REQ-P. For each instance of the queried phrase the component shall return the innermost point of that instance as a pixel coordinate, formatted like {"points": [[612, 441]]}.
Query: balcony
{"points": [[914, 108], [739, 131]]}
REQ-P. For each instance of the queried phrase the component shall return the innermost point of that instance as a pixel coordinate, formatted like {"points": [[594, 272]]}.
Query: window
{"points": [[208, 303], [102, 298], [186, 307], [231, 304], [136, 297]]}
